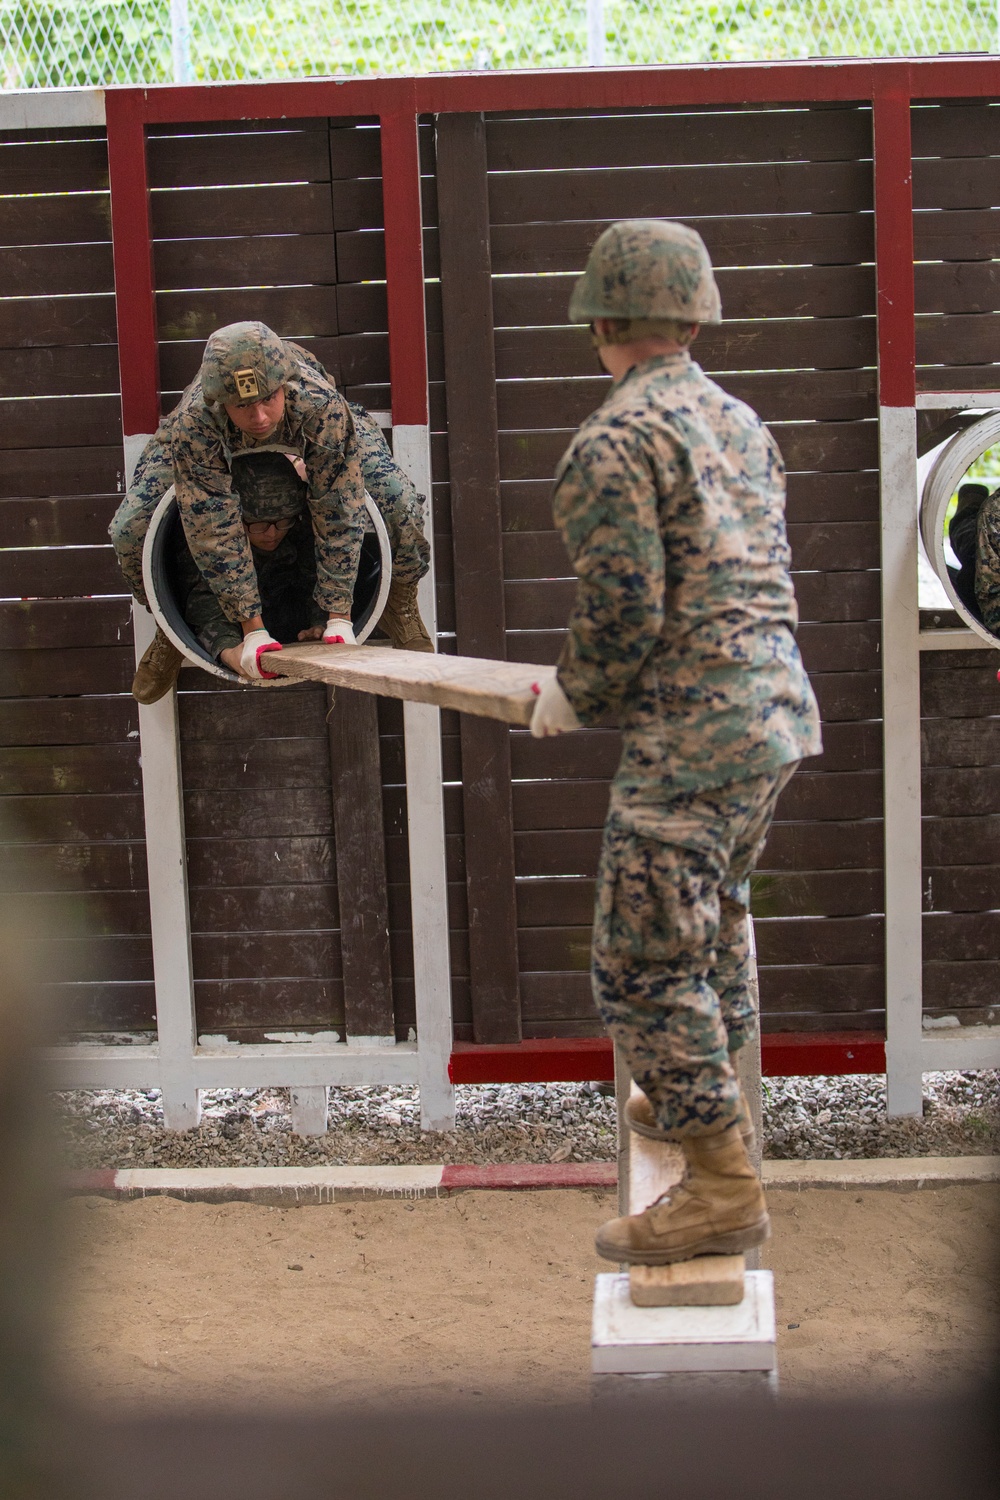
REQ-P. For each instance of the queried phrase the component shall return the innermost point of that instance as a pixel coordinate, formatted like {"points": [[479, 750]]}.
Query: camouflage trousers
{"points": [[670, 957], [399, 504]]}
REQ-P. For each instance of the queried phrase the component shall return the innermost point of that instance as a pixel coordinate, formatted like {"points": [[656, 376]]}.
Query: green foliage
{"points": [[85, 42]]}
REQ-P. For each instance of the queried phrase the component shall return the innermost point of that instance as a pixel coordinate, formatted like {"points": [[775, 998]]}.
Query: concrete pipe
{"points": [[159, 577], [943, 479]]}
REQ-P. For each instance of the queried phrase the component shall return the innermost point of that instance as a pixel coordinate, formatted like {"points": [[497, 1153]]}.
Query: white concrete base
{"points": [[630, 1340]]}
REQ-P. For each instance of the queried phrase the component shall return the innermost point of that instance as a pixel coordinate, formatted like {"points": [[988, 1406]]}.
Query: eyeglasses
{"points": [[261, 528]]}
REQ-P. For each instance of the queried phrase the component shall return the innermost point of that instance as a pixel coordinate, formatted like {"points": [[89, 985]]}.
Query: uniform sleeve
{"points": [[211, 516], [988, 562], [605, 507], [336, 503]]}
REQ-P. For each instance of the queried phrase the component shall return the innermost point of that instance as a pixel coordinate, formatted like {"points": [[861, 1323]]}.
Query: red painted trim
{"points": [[575, 88], [803, 1054], [789, 1054], [511, 1178], [135, 304], [894, 240], [549, 1060], [404, 264], [97, 1180]]}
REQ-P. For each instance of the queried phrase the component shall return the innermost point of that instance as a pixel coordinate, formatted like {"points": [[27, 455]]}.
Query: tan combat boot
{"points": [[157, 671], [640, 1117], [401, 619], [718, 1209]]}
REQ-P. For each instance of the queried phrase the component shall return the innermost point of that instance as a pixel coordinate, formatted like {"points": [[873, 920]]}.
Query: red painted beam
{"points": [[132, 246], [788, 1054], [573, 88], [894, 273], [404, 259]]}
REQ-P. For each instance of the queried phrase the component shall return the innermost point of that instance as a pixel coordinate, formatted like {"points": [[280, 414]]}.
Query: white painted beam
{"points": [[954, 640], [901, 742], [51, 109], [944, 1050]]}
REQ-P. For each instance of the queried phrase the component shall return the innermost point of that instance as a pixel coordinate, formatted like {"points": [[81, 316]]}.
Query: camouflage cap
{"points": [[268, 486], [244, 362], [644, 269]]}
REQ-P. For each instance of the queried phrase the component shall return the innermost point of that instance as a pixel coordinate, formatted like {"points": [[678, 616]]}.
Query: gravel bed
{"points": [[810, 1118]]}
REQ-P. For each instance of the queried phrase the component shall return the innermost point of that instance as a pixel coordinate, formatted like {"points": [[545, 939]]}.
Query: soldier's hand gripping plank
{"points": [[670, 500]]}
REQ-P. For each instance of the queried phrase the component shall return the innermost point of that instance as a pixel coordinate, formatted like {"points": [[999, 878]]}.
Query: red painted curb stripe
{"points": [[568, 1174], [99, 1180], [785, 1054]]}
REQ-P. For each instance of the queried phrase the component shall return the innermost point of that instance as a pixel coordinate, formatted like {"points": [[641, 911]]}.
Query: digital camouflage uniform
{"points": [[670, 501], [988, 562], [194, 446]]}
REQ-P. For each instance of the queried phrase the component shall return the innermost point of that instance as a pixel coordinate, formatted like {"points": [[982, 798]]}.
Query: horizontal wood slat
{"points": [[657, 138], [278, 151], [56, 270], [53, 166]]}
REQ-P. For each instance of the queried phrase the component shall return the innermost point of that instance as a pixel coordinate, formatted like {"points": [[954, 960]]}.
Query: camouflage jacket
{"points": [[670, 500], [988, 562], [317, 424], [286, 578]]}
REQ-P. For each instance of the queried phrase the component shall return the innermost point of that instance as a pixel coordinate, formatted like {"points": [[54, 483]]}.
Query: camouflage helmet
{"points": [[268, 486], [244, 362], [647, 270]]}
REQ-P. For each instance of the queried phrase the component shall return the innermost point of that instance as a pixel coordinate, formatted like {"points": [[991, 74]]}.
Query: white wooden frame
{"points": [[910, 1050]]}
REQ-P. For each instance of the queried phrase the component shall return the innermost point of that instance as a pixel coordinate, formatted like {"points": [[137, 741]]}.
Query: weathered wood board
{"points": [[470, 684], [705, 1281]]}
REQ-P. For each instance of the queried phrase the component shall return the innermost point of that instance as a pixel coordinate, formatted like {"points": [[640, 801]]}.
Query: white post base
{"points": [[310, 1110]]}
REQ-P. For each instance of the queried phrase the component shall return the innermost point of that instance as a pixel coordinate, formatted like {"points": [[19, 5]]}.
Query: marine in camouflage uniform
{"points": [[343, 451], [670, 501], [988, 562]]}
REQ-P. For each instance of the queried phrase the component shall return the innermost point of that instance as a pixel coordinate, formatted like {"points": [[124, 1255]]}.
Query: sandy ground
{"points": [[488, 1295]]}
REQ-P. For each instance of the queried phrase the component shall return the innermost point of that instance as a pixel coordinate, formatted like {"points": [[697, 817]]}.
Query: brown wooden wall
{"points": [[283, 221], [69, 747], [956, 175]]}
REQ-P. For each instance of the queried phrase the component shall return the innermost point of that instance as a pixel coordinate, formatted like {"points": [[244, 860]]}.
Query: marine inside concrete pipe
{"points": [[944, 477], [159, 575]]}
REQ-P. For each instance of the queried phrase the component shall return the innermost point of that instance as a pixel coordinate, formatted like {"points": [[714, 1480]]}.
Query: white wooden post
{"points": [[166, 859], [595, 33], [901, 774], [425, 826]]}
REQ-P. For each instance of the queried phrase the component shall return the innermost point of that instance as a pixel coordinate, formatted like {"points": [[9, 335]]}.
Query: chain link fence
{"points": [[86, 42]]}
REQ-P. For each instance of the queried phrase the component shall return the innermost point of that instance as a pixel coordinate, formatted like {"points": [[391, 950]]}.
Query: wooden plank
{"points": [[247, 1011], [951, 986], [955, 183], [39, 572], [961, 841], [963, 791], [60, 370], [250, 260], [677, 193], [268, 909], [966, 127], [30, 322], [360, 842], [295, 813], [56, 270], [201, 213], [960, 742], [806, 446], [102, 669], [79, 166], [962, 887], [842, 989], [961, 936], [659, 138], [477, 554], [68, 721], [51, 623], [244, 766], [966, 287], [772, 344], [61, 471], [362, 307], [220, 717], [957, 338], [774, 291], [61, 219], [64, 421], [253, 955], [494, 689], [67, 769], [94, 867], [961, 234], [272, 151], [263, 861], [297, 311]]}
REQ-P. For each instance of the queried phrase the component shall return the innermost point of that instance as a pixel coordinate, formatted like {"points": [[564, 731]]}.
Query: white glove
{"points": [[339, 633], [554, 714], [255, 644]]}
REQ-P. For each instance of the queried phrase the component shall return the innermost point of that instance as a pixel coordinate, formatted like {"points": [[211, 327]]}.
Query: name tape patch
{"points": [[246, 384]]}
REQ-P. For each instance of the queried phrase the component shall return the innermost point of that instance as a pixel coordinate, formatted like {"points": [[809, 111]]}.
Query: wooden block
{"points": [[706, 1281], [470, 684]]}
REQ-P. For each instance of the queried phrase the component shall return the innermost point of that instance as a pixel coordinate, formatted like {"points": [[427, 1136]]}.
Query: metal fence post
{"points": [[180, 40]]}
